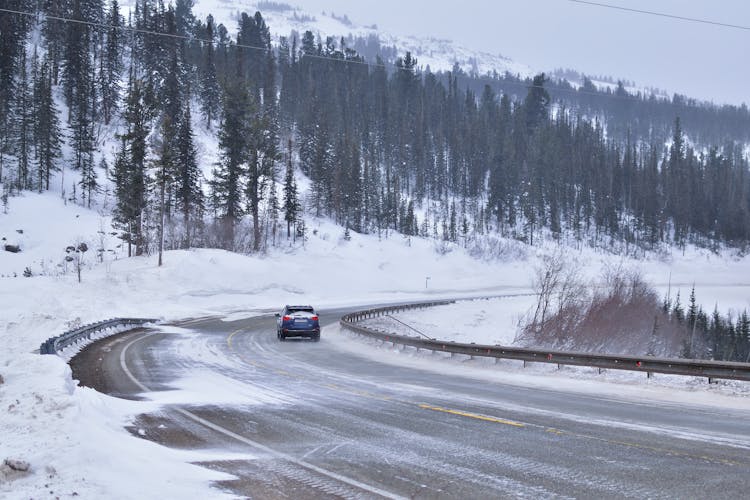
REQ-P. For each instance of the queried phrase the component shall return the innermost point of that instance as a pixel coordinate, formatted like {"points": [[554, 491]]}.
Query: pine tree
{"points": [[88, 183], [48, 127], [111, 63], [678, 312], [315, 151], [743, 329], [253, 32], [171, 98], [78, 85], [262, 155], [164, 170], [130, 167], [13, 33], [55, 33], [262, 138], [452, 226], [536, 104], [226, 184], [291, 203], [188, 191], [184, 18], [692, 313], [210, 90], [273, 209], [24, 127], [77, 57], [676, 174], [82, 127]]}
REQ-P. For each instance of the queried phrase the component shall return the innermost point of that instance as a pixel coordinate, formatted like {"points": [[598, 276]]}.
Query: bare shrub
{"points": [[442, 247], [620, 316], [491, 248], [557, 282], [623, 316], [561, 291]]}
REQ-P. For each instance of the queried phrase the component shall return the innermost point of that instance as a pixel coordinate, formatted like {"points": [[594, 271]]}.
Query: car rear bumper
{"points": [[291, 332]]}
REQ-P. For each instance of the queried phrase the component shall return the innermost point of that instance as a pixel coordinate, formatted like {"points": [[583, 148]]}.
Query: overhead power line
{"points": [[131, 29], [662, 14], [185, 37]]}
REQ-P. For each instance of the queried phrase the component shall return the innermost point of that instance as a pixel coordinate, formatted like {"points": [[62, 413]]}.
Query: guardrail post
{"points": [[648, 374]]}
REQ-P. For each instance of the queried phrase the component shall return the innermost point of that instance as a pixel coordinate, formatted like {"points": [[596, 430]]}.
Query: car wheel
{"points": [[282, 337], [316, 338]]}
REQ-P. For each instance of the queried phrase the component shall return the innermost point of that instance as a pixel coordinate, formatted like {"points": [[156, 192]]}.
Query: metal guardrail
{"points": [[691, 367], [54, 345]]}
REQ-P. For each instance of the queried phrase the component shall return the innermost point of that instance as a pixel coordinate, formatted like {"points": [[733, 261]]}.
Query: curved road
{"points": [[320, 422]]}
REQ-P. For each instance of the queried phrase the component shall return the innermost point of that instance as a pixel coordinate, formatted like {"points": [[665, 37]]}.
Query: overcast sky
{"points": [[699, 60]]}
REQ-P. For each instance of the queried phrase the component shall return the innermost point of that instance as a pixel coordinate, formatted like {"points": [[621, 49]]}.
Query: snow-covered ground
{"points": [[73, 438], [482, 321]]}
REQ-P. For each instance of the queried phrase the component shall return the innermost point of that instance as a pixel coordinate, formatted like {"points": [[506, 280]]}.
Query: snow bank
{"points": [[485, 321]]}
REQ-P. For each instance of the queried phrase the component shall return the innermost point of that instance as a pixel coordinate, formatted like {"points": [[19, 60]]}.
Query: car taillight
{"points": [[286, 318], [314, 318]]}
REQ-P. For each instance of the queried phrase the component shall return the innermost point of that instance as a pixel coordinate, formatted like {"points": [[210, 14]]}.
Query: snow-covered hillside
{"points": [[439, 54], [283, 18]]}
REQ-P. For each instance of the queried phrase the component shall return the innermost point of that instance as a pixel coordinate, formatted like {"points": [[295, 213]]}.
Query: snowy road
{"points": [[320, 421]]}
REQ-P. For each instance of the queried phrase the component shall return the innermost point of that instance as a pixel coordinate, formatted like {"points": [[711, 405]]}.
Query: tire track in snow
{"points": [[520, 465], [300, 463]]}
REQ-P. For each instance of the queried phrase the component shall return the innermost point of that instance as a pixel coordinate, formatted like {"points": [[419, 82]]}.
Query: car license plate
{"points": [[300, 321]]}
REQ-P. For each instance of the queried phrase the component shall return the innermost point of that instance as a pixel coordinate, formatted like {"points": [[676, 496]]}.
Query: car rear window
{"points": [[301, 309]]}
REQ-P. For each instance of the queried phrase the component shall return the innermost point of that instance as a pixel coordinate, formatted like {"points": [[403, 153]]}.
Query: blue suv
{"points": [[297, 321]]}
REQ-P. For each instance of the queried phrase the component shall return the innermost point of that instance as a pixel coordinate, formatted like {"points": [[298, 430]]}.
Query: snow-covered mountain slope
{"points": [[438, 54], [283, 18]]}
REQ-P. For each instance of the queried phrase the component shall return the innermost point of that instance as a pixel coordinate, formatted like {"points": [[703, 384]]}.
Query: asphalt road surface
{"points": [[321, 422]]}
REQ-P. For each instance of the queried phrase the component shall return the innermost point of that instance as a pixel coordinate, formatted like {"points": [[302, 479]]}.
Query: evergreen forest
{"points": [[386, 145]]}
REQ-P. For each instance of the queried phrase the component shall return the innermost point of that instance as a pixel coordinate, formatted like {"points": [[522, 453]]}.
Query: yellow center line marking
{"points": [[356, 392], [472, 415], [231, 336], [485, 418], [559, 432]]}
